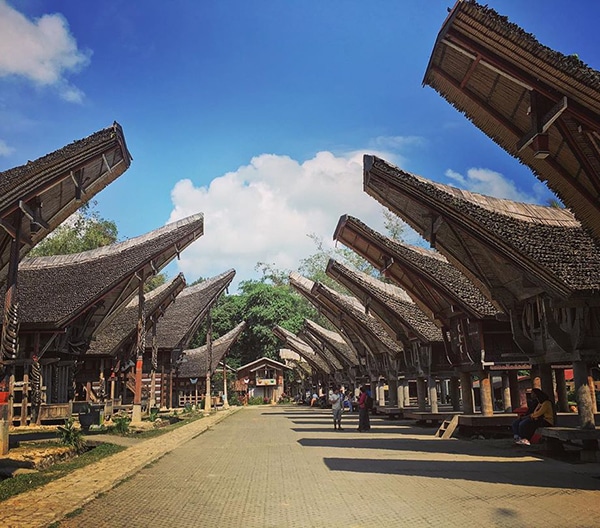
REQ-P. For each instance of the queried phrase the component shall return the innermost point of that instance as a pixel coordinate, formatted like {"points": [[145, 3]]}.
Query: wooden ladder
{"points": [[448, 427]]}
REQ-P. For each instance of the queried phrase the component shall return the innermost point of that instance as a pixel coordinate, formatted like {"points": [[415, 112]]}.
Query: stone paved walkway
{"points": [[287, 467]]}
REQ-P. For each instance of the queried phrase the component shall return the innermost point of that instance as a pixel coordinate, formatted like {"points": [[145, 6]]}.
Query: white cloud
{"points": [[42, 50], [491, 183], [5, 150], [263, 212]]}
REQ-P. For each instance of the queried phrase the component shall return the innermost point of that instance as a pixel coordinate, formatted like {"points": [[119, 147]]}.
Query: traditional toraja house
{"points": [[183, 318], [66, 299], [335, 316], [323, 351], [537, 262], [335, 344], [35, 198], [424, 352], [196, 365], [116, 344], [384, 356], [264, 378], [539, 105], [302, 373], [321, 369], [476, 333]]}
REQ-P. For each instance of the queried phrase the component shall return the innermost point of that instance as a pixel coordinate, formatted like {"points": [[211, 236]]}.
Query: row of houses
{"points": [[507, 286]]}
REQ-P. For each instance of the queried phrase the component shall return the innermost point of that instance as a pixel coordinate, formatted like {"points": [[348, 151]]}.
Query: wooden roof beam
{"points": [[463, 44]]}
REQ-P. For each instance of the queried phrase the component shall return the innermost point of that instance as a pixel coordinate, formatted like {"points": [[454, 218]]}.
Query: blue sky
{"points": [[255, 113]]}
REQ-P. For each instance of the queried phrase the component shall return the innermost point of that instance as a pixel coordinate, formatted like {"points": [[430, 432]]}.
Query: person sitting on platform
{"points": [[542, 416]]}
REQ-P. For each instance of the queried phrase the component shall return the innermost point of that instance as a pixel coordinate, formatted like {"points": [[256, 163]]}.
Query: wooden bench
{"points": [[429, 417], [55, 411], [391, 412], [558, 436]]}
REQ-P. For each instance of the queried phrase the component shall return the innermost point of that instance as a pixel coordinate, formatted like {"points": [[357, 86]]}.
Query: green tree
{"points": [[155, 281], [85, 229]]}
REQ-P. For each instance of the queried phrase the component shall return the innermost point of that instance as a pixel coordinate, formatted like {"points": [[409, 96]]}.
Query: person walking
{"points": [[363, 410], [337, 402]]}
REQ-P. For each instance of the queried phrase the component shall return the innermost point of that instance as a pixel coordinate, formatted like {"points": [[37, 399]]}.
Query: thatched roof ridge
{"points": [[547, 243], [395, 301], [195, 360], [450, 285], [47, 186], [322, 349], [183, 318], [53, 291], [303, 349], [122, 330], [336, 343], [382, 343], [500, 77]]}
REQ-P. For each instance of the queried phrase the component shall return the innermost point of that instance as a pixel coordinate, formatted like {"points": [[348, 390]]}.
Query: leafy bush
{"points": [[121, 424], [234, 399], [71, 435], [153, 414], [256, 400]]}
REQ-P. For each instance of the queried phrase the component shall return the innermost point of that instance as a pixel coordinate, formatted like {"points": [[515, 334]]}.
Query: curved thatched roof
{"points": [[322, 349], [437, 287], [195, 361], [372, 333], [53, 187], [512, 250], [183, 318], [539, 105], [121, 333], [55, 291], [333, 340], [303, 349], [391, 305]]}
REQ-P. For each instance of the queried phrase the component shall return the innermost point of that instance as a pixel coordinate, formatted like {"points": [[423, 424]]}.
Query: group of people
{"points": [[540, 413], [337, 400]]}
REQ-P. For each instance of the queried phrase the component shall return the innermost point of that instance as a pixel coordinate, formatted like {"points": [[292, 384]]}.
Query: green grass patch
{"points": [[23, 483]]}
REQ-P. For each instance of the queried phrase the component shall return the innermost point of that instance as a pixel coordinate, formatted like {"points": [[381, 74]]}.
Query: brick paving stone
{"points": [[286, 467]]}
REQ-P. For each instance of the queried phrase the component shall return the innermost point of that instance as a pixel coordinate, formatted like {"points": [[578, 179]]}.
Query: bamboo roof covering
{"points": [[195, 361], [48, 190], [120, 335], [392, 306], [56, 291], [183, 318], [334, 315], [511, 250], [288, 354], [336, 343], [438, 288], [322, 349], [303, 349], [370, 330], [539, 105]]}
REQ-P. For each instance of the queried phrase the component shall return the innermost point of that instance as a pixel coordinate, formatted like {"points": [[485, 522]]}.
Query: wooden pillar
{"points": [[455, 393], [170, 388], [406, 390], [153, 367], [485, 390], [536, 377], [393, 391], [506, 400], [380, 393], [208, 396], [432, 390], [466, 388], [515, 393], [225, 397], [422, 404], [136, 415], [592, 387], [547, 382], [400, 394], [582, 393], [25, 397], [561, 390]]}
